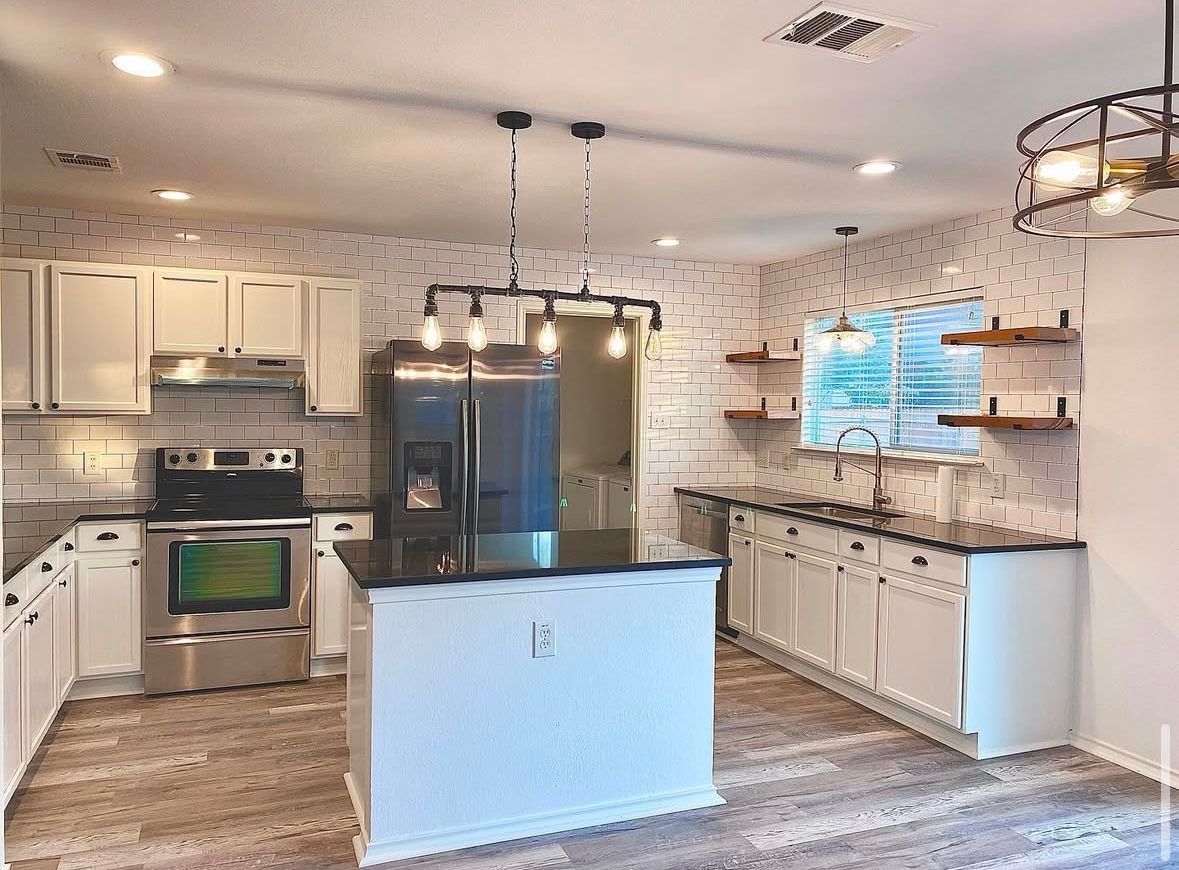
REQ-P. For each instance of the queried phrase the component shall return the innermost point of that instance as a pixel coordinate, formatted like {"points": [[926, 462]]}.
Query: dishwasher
{"points": [[705, 524]]}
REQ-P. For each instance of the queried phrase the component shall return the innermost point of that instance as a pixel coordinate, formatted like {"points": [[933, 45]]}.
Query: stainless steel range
{"points": [[227, 591]]}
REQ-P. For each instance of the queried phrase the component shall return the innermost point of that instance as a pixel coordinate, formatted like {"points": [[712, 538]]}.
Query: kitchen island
{"points": [[508, 685]]}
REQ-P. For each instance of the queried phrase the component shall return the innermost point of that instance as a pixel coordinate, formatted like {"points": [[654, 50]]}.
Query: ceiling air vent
{"points": [[844, 30], [81, 160]]}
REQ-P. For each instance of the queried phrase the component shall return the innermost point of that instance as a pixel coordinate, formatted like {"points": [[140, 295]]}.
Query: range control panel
{"points": [[229, 459]]}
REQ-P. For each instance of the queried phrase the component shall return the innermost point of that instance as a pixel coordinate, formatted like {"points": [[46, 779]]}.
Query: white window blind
{"points": [[898, 387]]}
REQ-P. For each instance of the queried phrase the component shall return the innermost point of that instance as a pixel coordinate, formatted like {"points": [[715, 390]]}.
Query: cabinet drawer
{"points": [[343, 527], [861, 547], [920, 561], [18, 588], [100, 537], [798, 533], [741, 518]]}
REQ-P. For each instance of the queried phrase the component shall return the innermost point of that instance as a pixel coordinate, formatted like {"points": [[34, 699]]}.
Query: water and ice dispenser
{"points": [[429, 470]]}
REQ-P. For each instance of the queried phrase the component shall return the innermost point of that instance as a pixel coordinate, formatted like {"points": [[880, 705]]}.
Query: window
{"points": [[898, 387]]}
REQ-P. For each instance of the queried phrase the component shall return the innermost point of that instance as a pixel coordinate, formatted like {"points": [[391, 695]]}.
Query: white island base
{"points": [[460, 736]]}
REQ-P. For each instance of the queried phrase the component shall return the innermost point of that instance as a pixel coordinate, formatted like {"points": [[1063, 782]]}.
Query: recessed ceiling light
{"points": [[173, 195], [877, 167], [136, 63], [665, 241], [188, 237]]}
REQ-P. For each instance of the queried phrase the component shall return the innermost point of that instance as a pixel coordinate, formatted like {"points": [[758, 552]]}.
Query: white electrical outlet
{"points": [[91, 462], [544, 640], [998, 485], [331, 459]]}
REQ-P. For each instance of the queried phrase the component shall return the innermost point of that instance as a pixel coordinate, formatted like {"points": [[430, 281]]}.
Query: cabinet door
{"points": [[40, 679], [333, 352], [189, 312], [618, 502], [773, 587], [98, 338], [65, 632], [22, 334], [581, 507], [14, 744], [921, 648], [741, 583], [110, 628], [855, 657], [813, 621], [330, 604], [266, 315]]}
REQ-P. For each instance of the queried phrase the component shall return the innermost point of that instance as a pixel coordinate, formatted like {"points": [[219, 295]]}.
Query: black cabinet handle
{"points": [[739, 517], [343, 527], [839, 568], [36, 615], [134, 562], [29, 619], [920, 560], [789, 555], [237, 350], [46, 567], [61, 582], [856, 545], [68, 547], [792, 531], [10, 600], [319, 552], [882, 580], [54, 405], [36, 406], [221, 350], [314, 408], [746, 542], [107, 536]]}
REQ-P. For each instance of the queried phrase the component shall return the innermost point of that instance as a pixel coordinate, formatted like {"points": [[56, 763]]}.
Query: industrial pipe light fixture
{"points": [[1090, 162], [845, 334], [547, 342]]}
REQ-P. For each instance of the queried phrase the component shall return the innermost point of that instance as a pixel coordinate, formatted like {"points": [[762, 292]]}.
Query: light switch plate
{"points": [[91, 463], [660, 421]]}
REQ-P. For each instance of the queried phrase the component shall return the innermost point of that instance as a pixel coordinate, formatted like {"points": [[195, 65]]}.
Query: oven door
{"points": [[205, 579]]}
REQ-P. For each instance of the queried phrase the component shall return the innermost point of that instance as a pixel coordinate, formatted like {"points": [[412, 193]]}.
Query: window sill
{"points": [[898, 455]]}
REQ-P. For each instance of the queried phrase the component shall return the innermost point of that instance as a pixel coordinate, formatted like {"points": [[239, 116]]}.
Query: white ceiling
{"points": [[378, 115]]}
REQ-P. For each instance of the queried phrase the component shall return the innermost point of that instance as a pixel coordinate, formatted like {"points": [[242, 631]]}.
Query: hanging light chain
{"points": [[514, 265], [586, 224]]}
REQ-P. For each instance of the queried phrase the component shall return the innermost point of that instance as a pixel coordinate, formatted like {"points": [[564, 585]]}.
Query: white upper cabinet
{"points": [[22, 321], [266, 315], [190, 312], [100, 338], [333, 347]]}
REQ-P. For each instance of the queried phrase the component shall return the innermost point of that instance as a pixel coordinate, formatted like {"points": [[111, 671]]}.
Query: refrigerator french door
{"points": [[465, 442]]}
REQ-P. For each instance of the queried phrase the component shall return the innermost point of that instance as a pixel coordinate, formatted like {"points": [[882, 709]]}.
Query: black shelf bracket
{"points": [[993, 406], [1061, 406]]}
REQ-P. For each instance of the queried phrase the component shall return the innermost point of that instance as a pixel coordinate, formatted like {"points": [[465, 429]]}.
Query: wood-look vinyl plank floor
{"points": [[253, 778]]}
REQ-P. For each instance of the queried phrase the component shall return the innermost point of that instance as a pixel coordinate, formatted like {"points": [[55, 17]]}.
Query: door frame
{"points": [[639, 325]]}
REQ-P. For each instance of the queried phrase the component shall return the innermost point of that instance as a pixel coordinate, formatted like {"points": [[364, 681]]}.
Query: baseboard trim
{"points": [[1124, 758], [369, 854], [106, 687], [329, 666]]}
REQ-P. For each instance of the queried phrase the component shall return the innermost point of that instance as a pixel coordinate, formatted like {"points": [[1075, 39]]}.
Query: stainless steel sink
{"points": [[840, 511]]}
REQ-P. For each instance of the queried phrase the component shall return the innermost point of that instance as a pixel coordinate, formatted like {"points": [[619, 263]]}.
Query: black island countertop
{"points": [[421, 561], [30, 527], [957, 536]]}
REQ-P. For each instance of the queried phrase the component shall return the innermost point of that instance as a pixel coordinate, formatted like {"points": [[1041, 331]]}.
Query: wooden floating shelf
{"points": [[994, 421], [759, 414], [1010, 337], [764, 355]]}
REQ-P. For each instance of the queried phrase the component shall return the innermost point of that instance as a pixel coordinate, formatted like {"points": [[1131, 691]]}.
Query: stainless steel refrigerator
{"points": [[465, 442]]}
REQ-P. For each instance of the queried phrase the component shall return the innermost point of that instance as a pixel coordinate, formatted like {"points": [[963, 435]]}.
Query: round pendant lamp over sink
{"points": [[845, 335]]}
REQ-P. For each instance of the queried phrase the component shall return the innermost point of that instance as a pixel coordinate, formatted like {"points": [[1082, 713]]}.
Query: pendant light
{"points": [[547, 343], [476, 330], [845, 334], [431, 331], [1089, 162], [616, 346]]}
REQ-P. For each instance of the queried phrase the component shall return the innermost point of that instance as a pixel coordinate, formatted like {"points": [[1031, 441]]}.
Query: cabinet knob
{"points": [[882, 580], [314, 408], [61, 582], [237, 350], [68, 547], [10, 600], [220, 350], [343, 527], [29, 619], [134, 561], [46, 567], [920, 560], [54, 405], [792, 531], [319, 553], [36, 615], [856, 545], [840, 569], [747, 542], [36, 406], [107, 536]]}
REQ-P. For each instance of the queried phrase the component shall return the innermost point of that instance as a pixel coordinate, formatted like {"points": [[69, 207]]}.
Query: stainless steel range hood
{"points": [[250, 371]]}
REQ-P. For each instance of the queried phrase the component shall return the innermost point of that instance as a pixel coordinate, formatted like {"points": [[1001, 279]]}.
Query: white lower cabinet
{"points": [[65, 632], [773, 584], [39, 701], [14, 744], [857, 605], [813, 614], [921, 648], [741, 583], [331, 598], [110, 626]]}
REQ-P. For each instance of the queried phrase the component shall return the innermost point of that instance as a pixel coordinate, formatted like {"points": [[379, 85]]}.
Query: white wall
{"points": [[1129, 477]]}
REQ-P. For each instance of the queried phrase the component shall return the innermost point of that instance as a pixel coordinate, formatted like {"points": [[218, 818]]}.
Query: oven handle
{"points": [[191, 639], [223, 525]]}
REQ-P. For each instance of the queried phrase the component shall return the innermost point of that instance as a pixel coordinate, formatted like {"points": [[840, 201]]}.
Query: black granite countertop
{"points": [[957, 536], [432, 560], [330, 504], [30, 527]]}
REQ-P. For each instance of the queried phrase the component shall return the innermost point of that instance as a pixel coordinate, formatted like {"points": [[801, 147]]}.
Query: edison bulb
{"points": [[477, 334], [431, 333], [1067, 169], [547, 343], [616, 346], [1112, 202], [654, 348]]}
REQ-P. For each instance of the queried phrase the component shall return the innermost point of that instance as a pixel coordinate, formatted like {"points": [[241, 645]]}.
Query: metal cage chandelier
{"points": [[1093, 161], [547, 342]]}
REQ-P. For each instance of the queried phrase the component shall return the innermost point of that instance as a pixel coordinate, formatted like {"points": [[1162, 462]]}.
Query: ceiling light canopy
{"points": [[1088, 163], [587, 131], [845, 335], [666, 241], [877, 167], [173, 195], [136, 63]]}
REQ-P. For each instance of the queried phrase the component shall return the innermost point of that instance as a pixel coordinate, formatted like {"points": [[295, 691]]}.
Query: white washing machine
{"points": [[597, 497]]}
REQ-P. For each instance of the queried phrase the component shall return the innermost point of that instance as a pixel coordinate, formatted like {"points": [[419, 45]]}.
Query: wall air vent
{"points": [[848, 32], [81, 160]]}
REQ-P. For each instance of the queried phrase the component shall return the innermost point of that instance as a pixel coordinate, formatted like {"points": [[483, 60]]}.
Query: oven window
{"points": [[223, 576]]}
